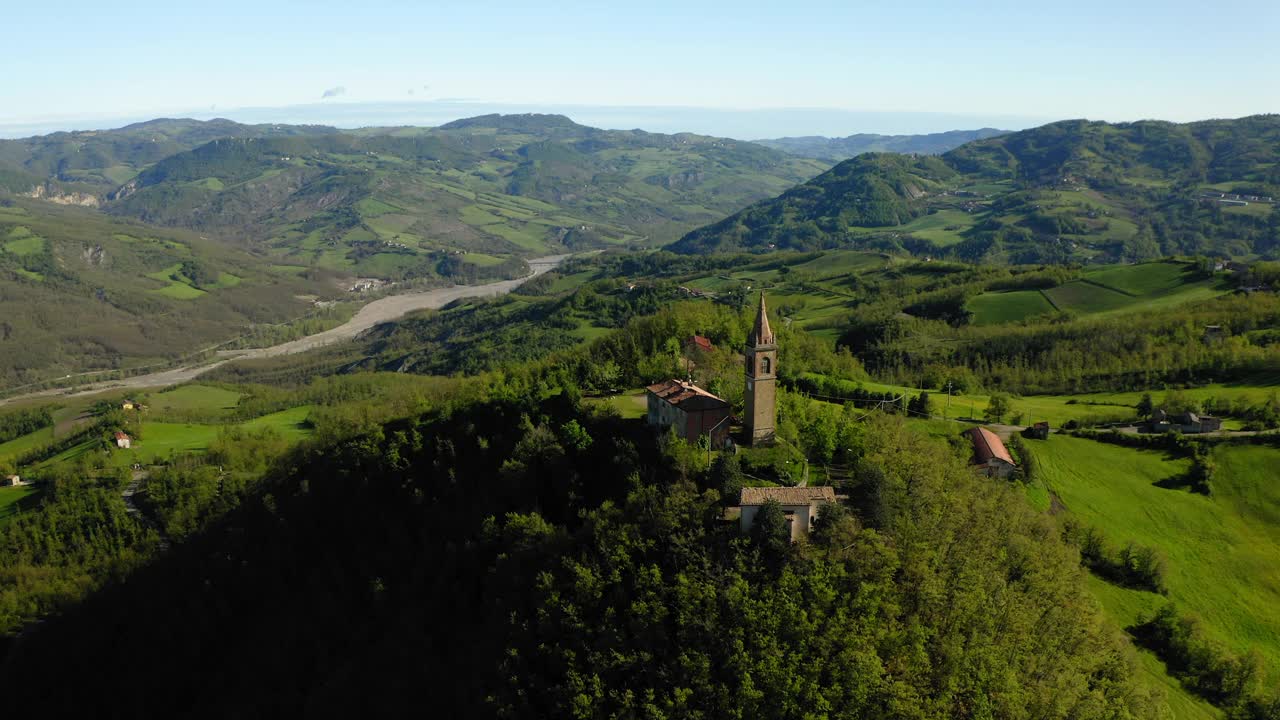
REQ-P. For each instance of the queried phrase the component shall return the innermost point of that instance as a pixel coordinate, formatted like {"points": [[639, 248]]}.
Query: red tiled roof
{"points": [[788, 495], [121, 436], [987, 445], [686, 395], [701, 342]]}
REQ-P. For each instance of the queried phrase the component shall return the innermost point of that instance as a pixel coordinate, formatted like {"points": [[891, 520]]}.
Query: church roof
{"points": [[761, 334]]}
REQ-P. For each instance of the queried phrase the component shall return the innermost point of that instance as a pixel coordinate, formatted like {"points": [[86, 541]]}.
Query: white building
{"points": [[799, 504]]}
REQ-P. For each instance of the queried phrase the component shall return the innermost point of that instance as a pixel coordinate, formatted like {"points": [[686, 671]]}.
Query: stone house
{"points": [[692, 411]]}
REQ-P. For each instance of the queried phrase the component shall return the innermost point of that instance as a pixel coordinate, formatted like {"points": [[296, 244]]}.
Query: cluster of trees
{"points": [[1233, 682], [1069, 357], [831, 388], [528, 554], [1132, 565], [17, 423]]}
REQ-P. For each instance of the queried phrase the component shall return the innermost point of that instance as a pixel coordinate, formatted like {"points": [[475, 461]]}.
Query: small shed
{"points": [[123, 440], [1038, 431], [12, 480]]}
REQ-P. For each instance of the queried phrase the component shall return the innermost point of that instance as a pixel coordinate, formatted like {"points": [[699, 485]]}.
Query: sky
{"points": [[750, 68]]}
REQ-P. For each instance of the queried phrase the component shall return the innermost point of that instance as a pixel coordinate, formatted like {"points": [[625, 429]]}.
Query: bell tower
{"points": [[762, 379]]}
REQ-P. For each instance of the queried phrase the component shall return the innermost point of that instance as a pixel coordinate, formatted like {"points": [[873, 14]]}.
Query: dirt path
{"points": [[379, 311]]}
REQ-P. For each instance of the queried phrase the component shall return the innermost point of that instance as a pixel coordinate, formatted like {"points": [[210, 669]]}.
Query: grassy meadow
{"points": [[1223, 551], [1114, 289]]}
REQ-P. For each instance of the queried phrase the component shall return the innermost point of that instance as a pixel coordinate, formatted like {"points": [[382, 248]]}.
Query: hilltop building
{"points": [[697, 344], [693, 412], [990, 457], [799, 504], [762, 378]]}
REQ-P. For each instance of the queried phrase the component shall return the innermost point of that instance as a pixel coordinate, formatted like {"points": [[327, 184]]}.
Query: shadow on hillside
{"points": [[356, 586]]}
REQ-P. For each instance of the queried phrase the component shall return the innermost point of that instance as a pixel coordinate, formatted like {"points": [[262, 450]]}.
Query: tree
{"points": [[727, 477], [1146, 406], [772, 534], [998, 406]]}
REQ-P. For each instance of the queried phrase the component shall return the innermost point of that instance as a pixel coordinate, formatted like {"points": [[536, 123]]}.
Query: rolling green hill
{"points": [[97, 161], [80, 291], [1069, 191], [375, 201], [1221, 550], [842, 148]]}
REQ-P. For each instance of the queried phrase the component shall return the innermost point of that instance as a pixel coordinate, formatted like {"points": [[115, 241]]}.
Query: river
{"points": [[379, 311]]}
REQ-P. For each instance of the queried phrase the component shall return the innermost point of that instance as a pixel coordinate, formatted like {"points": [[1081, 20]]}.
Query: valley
{"points": [[470, 433]]}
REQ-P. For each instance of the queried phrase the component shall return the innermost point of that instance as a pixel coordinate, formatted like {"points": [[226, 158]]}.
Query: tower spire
{"points": [[761, 334]]}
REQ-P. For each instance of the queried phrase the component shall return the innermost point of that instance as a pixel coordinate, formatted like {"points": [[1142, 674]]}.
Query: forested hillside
{"points": [[834, 150], [374, 198], [1068, 191], [81, 292], [520, 557]]}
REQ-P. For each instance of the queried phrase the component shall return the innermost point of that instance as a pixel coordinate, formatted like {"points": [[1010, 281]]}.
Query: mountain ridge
{"points": [[836, 149], [1071, 191]]}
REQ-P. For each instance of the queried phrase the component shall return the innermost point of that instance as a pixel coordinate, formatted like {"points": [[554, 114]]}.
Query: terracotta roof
{"points": [[701, 342], [788, 495], [686, 395], [987, 445], [761, 333], [121, 436]]}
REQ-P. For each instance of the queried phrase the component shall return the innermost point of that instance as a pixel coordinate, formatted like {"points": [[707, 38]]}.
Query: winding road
{"points": [[379, 311]]}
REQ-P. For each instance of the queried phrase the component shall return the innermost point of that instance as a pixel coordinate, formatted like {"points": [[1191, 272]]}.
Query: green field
{"points": [[179, 287], [1124, 606], [1144, 279], [1112, 289], [942, 228], [20, 446], [23, 242], [194, 398], [162, 440], [1223, 552], [13, 499], [1087, 298], [1002, 307]]}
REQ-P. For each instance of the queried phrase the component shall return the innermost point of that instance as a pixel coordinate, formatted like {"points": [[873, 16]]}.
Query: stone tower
{"points": [[762, 378]]}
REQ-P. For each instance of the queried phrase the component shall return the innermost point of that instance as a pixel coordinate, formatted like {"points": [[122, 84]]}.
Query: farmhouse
{"points": [[799, 504], [696, 344], [693, 412], [123, 440], [12, 480], [989, 454], [1187, 422]]}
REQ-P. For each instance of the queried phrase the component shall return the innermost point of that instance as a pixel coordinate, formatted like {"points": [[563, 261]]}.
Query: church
{"points": [[694, 412]]}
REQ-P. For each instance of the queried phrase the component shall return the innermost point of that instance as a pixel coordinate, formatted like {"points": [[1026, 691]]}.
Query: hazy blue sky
{"points": [[72, 63]]}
